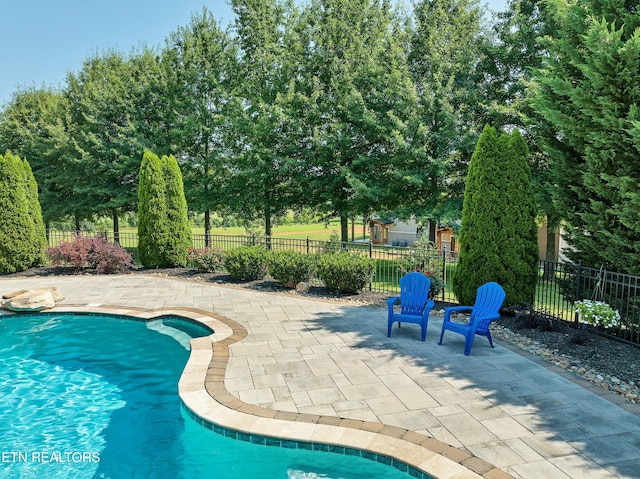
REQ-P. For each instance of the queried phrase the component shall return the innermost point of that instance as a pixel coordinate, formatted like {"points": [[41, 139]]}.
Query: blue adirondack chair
{"points": [[489, 299], [414, 302]]}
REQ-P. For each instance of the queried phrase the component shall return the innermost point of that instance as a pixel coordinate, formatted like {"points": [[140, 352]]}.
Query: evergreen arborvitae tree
{"points": [[179, 229], [480, 237], [21, 240], [498, 239], [521, 254], [35, 211], [152, 212], [589, 92]]}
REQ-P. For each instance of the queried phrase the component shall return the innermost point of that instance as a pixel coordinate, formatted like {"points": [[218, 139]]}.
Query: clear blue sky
{"points": [[42, 40]]}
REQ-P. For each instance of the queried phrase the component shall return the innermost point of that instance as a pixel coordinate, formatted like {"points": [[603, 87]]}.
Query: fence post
{"points": [[444, 271], [307, 245], [578, 281], [371, 256], [578, 289]]}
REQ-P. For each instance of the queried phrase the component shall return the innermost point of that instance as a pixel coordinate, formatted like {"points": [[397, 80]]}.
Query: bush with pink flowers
{"points": [[91, 252]]}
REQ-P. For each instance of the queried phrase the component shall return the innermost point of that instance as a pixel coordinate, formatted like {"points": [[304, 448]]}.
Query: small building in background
{"points": [[560, 244], [379, 233], [406, 233], [447, 240]]}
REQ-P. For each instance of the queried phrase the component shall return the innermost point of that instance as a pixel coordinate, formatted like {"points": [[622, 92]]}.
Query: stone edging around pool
{"points": [[205, 396]]}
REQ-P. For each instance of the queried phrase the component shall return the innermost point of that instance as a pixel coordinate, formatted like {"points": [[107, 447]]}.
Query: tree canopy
{"points": [[354, 108], [589, 90], [499, 235]]}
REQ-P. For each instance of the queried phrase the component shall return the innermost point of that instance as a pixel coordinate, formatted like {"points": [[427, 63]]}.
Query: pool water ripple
{"points": [[97, 397]]}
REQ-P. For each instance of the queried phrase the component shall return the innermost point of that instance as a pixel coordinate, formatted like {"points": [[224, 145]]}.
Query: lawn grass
{"points": [[314, 231]]}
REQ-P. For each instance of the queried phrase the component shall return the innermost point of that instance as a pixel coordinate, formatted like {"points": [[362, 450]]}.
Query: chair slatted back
{"points": [[414, 293], [489, 299]]}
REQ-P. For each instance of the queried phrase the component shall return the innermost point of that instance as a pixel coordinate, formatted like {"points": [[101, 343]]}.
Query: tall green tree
{"points": [[260, 183], [509, 63], [589, 90], [358, 107], [21, 228], [498, 238], [520, 250], [35, 125], [153, 229], [445, 55], [177, 218], [197, 81], [107, 144]]}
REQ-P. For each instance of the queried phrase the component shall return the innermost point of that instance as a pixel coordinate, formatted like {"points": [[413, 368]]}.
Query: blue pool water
{"points": [[77, 400]]}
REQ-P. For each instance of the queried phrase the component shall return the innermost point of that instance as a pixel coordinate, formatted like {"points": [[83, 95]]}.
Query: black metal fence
{"points": [[559, 284]]}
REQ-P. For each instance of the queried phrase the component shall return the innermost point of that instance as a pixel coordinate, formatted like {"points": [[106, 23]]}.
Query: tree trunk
{"points": [[116, 227], [353, 229], [76, 219], [207, 229], [432, 231], [344, 228], [267, 227]]}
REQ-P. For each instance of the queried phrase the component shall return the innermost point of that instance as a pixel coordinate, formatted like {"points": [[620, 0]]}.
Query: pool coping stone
{"points": [[207, 400]]}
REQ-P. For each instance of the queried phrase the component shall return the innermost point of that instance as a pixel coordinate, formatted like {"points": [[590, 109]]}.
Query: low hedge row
{"points": [[341, 272]]}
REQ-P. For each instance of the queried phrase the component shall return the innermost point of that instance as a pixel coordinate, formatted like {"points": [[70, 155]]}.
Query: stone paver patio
{"points": [[307, 369]]}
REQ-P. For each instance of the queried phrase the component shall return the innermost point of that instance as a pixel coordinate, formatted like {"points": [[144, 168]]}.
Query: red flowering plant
{"points": [[91, 252]]}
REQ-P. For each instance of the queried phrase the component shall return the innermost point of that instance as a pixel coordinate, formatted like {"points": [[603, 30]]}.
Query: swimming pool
{"points": [[78, 401]]}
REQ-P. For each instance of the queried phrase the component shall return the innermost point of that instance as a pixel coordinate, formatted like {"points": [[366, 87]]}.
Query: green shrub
{"points": [[153, 227], [163, 225], [498, 237], [333, 244], [246, 263], [208, 260], [22, 236], [179, 230], [423, 257], [345, 272], [290, 267]]}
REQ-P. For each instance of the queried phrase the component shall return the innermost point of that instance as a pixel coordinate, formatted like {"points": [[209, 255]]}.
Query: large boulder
{"points": [[35, 300]]}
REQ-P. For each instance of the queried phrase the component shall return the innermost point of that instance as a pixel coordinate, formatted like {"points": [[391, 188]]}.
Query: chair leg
{"points": [[489, 337], [467, 344], [424, 332], [441, 334]]}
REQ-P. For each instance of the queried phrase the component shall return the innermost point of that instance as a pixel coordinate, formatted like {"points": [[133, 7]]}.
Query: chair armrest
{"points": [[391, 302], [428, 306], [455, 309]]}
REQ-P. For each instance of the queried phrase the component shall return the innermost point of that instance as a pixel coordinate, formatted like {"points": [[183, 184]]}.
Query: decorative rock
{"points": [[35, 300], [629, 391], [15, 293], [302, 287]]}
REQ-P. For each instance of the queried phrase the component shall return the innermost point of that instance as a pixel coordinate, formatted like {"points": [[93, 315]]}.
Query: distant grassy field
{"points": [[315, 231]]}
